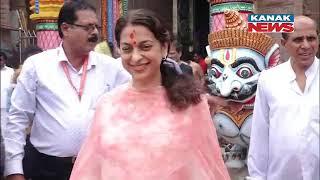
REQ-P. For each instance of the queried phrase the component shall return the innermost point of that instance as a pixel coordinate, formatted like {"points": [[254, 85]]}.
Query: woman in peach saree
{"points": [[157, 127]]}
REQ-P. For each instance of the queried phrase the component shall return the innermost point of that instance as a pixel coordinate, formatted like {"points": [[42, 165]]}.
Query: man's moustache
{"points": [[93, 39]]}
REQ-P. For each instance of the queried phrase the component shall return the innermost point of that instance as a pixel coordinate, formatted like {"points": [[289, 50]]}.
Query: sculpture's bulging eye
{"points": [[215, 72], [244, 72]]}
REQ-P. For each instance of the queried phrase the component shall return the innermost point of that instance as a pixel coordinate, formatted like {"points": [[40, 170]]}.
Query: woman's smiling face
{"points": [[141, 53]]}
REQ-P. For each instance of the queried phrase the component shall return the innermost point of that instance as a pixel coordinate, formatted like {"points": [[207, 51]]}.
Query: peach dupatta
{"points": [[136, 136]]}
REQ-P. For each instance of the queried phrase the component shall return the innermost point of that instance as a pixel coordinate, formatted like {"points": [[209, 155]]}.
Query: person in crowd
{"points": [[58, 90], [201, 61], [29, 51], [6, 75], [158, 126], [285, 126], [175, 53], [196, 69]]}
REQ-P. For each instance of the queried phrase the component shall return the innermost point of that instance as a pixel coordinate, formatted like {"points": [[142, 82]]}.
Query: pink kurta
{"points": [[136, 136]]}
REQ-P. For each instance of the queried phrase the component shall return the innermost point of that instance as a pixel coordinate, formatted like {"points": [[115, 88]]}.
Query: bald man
{"points": [[284, 141]]}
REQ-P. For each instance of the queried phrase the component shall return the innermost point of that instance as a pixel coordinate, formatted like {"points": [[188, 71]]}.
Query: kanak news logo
{"points": [[269, 23]]}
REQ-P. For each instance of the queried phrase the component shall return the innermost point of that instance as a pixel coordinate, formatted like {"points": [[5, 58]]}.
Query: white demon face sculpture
{"points": [[233, 72], [236, 57]]}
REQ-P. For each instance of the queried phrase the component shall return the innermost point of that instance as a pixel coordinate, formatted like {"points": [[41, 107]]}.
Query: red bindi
{"points": [[132, 37]]}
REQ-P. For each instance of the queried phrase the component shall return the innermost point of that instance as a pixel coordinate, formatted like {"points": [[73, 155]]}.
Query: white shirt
{"points": [[6, 76], [43, 94], [281, 115], [310, 148]]}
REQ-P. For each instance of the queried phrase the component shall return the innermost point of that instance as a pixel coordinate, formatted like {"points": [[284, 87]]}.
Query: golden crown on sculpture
{"points": [[235, 34], [234, 20]]}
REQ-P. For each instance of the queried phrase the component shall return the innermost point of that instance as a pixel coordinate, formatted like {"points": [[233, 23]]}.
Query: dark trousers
{"points": [[39, 166]]}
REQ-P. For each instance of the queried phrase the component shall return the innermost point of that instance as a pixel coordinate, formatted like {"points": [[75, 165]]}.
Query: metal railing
{"points": [[26, 37]]}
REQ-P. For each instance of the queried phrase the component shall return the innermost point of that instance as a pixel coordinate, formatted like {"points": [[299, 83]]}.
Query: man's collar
{"points": [[61, 54], [313, 68], [309, 72], [62, 57], [290, 73]]}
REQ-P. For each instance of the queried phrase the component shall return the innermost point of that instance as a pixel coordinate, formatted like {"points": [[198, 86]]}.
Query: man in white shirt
{"points": [[57, 90], [287, 102], [6, 76]]}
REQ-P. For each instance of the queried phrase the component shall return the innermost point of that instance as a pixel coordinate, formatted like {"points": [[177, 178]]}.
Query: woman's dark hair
{"points": [[111, 47], [182, 90], [68, 11]]}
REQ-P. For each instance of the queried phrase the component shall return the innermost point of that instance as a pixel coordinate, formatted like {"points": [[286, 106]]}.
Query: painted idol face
{"points": [[233, 73], [235, 60]]}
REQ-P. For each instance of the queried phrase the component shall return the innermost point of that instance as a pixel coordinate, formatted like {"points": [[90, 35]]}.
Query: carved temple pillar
{"points": [[45, 14], [111, 10]]}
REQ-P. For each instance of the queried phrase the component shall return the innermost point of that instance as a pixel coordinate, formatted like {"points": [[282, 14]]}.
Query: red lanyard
{"points": [[83, 77]]}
